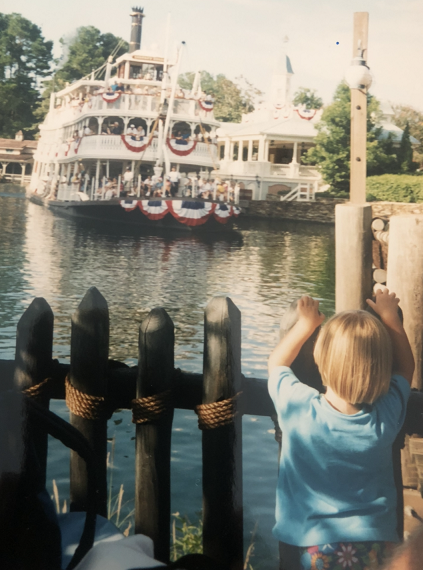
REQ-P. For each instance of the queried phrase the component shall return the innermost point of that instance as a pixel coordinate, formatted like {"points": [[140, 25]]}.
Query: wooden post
{"points": [[359, 117], [222, 446], [89, 358], [153, 439], [33, 358], [353, 256], [405, 277]]}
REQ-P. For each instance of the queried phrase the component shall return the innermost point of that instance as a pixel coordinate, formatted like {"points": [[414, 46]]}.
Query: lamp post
{"points": [[359, 79], [353, 234]]}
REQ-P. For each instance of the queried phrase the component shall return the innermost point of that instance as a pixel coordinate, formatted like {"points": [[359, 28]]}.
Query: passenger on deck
{"points": [[116, 129], [138, 90], [148, 76], [128, 90], [167, 187], [128, 179], [139, 133], [200, 136], [87, 131], [147, 184], [120, 87], [175, 178], [131, 130]]}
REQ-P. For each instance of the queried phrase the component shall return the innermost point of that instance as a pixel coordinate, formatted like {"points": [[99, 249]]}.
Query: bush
{"points": [[395, 188]]}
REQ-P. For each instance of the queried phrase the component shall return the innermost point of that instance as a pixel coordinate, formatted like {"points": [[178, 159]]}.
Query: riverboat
{"points": [[128, 144]]}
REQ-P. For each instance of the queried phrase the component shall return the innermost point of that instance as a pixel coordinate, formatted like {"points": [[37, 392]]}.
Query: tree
{"points": [[404, 114], [87, 50], [405, 152], [332, 150], [232, 99], [308, 98], [25, 58]]}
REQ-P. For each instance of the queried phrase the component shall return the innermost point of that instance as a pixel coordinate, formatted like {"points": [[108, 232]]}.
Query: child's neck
{"points": [[339, 404]]}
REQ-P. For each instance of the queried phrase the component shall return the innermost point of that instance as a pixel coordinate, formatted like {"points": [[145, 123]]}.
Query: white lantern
{"points": [[358, 75]]}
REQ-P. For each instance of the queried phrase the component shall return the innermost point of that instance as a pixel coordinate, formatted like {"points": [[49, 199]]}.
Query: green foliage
{"points": [[405, 151], [187, 537], [404, 115], [86, 51], [395, 188], [232, 99], [308, 98], [25, 58], [332, 150]]}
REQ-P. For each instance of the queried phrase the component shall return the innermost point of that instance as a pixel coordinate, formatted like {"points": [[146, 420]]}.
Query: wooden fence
{"points": [[95, 386]]}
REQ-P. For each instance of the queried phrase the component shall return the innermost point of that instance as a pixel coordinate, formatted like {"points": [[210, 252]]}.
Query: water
{"points": [[262, 269]]}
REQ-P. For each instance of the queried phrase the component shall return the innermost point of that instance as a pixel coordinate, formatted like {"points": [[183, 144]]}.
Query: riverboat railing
{"points": [[94, 387]]}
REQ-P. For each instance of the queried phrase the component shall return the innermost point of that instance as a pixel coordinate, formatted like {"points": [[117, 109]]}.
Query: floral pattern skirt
{"points": [[345, 556]]}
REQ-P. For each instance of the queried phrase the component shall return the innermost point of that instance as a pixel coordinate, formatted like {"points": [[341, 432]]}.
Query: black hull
{"points": [[111, 212]]}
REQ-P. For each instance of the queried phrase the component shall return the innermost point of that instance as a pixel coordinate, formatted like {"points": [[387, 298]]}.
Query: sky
{"points": [[245, 37]]}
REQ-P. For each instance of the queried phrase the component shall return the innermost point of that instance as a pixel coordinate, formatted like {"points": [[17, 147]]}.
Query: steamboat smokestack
{"points": [[137, 15]]}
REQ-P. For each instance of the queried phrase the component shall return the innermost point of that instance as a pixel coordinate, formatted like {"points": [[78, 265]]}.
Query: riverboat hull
{"points": [[190, 215]]}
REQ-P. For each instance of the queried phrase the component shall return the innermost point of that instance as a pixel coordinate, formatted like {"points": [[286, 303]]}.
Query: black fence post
{"points": [[222, 444], [153, 436], [89, 358], [33, 361]]}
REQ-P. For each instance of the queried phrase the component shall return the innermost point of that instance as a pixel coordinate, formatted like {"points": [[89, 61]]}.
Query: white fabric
{"points": [[71, 526], [128, 176], [131, 552], [174, 176]]}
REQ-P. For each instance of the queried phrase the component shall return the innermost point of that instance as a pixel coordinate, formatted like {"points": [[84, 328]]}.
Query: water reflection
{"points": [[262, 268]]}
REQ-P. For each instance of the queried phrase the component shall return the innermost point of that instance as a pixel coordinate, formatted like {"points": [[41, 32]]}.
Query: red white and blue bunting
{"points": [[206, 105], [181, 147], [111, 97], [129, 205], [306, 114], [132, 144], [74, 145], [187, 212], [154, 209], [191, 213]]}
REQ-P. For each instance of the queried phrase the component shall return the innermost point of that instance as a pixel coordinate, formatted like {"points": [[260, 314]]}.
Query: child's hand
{"points": [[385, 305], [308, 313]]}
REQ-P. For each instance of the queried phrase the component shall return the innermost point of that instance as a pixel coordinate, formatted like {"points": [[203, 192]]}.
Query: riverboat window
{"points": [[245, 151], [255, 150], [221, 151], [121, 71], [235, 151]]}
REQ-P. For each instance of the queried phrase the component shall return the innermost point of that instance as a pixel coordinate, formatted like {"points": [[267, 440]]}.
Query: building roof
{"points": [[14, 144], [294, 126], [389, 128]]}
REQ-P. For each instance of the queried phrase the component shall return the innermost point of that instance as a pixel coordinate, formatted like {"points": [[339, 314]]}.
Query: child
{"points": [[336, 498]]}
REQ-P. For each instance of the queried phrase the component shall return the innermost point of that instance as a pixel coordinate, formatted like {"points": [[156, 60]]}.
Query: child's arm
{"points": [[309, 318], [386, 306]]}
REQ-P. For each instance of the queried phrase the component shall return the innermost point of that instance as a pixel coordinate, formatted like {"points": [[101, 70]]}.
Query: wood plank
{"points": [[153, 439], [222, 446], [88, 372]]}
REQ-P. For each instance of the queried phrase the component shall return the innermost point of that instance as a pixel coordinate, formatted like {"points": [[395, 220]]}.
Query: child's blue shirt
{"points": [[336, 478]]}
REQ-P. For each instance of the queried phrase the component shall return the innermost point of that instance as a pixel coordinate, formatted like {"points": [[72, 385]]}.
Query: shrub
{"points": [[395, 188]]}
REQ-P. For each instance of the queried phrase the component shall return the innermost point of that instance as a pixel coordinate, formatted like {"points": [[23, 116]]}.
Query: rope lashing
{"points": [[86, 406], [39, 391], [217, 414], [151, 408]]}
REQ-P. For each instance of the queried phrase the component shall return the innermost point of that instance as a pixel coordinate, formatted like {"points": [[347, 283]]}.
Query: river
{"points": [[262, 269]]}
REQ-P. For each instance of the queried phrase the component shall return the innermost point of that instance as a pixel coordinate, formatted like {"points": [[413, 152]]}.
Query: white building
{"points": [[264, 152]]}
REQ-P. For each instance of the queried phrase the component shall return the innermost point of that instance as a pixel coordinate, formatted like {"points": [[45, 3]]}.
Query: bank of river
{"points": [[263, 268]]}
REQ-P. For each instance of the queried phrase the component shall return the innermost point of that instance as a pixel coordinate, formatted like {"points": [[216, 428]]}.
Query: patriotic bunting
{"points": [[306, 114], [206, 105], [129, 205], [181, 147], [111, 97], [222, 213], [154, 209], [191, 213], [187, 212], [135, 146]]}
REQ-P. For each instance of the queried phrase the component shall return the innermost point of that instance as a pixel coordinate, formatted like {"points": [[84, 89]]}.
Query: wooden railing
{"points": [[95, 386]]}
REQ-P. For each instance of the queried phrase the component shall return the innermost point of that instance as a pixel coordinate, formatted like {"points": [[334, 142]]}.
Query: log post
{"points": [[222, 446], [405, 277], [89, 357], [153, 438], [353, 256], [33, 360]]}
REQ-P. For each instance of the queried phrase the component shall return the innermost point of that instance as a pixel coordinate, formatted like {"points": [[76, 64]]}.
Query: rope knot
{"points": [[217, 414], [86, 406], [151, 408]]}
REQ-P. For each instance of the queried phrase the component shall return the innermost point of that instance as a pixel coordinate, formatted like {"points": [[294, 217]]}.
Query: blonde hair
{"points": [[354, 356]]}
